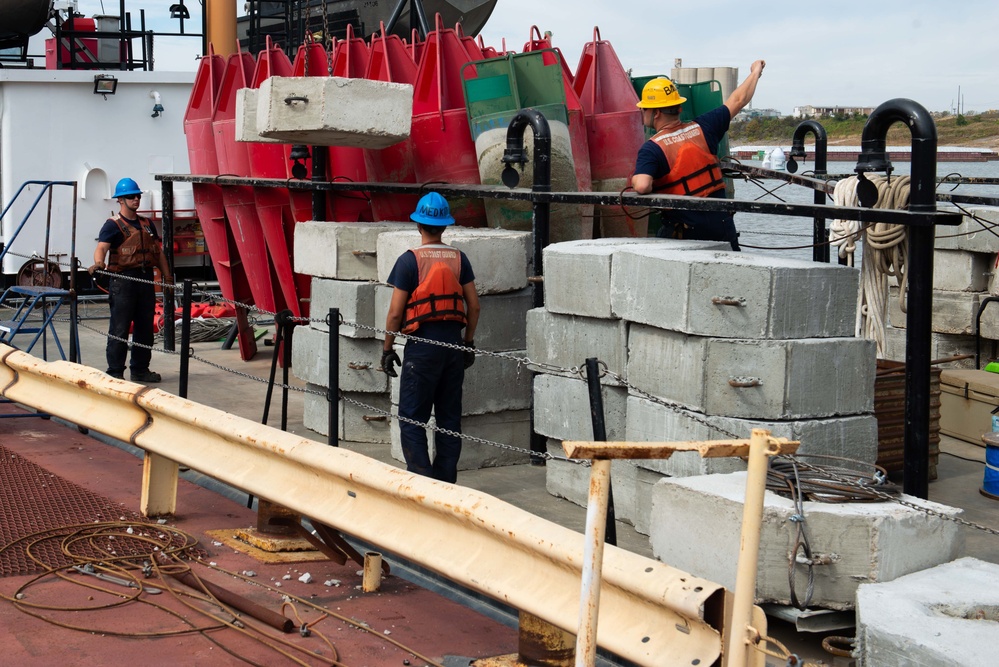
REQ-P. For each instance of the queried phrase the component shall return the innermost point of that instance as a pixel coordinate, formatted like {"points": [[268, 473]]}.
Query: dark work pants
{"points": [[431, 380], [721, 229], [133, 305]]}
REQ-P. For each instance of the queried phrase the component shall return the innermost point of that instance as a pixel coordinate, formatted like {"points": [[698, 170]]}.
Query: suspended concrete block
{"points": [[246, 117], [865, 542], [334, 111]]}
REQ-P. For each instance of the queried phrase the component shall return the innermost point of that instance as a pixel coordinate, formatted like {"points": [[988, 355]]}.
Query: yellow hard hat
{"points": [[660, 92]]}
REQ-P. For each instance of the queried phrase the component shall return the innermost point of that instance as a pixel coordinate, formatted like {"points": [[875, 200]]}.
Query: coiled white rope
{"points": [[885, 249], [844, 234]]}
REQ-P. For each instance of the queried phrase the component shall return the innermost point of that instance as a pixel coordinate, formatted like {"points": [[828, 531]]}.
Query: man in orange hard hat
{"points": [[680, 158], [434, 299]]}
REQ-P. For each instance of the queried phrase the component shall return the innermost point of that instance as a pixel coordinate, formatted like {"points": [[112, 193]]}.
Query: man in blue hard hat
{"points": [[129, 248], [680, 158], [434, 299]]}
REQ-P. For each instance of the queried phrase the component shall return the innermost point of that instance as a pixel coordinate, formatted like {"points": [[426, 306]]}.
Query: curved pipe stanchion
{"points": [[514, 154], [820, 236], [922, 198]]}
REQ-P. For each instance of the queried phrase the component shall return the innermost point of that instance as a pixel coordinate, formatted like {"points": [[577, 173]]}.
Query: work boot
{"points": [[146, 376], [116, 374]]}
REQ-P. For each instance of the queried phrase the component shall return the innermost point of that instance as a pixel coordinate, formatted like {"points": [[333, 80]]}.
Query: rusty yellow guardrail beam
{"points": [[650, 613]]}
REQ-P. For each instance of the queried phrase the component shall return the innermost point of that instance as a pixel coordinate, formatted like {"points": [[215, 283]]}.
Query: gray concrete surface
{"points": [[771, 297], [763, 379], [499, 258], [947, 616], [970, 235], [327, 249], [961, 270], [866, 542], [573, 264], [354, 298], [567, 341], [953, 312]]}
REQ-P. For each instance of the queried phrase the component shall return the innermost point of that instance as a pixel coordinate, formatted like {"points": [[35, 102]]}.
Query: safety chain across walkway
{"points": [[525, 361]]}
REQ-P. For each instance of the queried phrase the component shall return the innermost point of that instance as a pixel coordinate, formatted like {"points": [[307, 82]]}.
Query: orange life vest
{"points": [[438, 296], [140, 249], [693, 169]]}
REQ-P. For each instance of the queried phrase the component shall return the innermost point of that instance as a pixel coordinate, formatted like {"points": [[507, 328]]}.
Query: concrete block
{"points": [[771, 297], [340, 250], [355, 299], [383, 298], [362, 418], [502, 320], [360, 361], [491, 385], [356, 423], [789, 379], [632, 486], [989, 327], [962, 271], [588, 262], [499, 258], [335, 112], [567, 341], [698, 517], [246, 117], [943, 616], [970, 235], [948, 345], [315, 416], [854, 437], [509, 428], [953, 312], [562, 409]]}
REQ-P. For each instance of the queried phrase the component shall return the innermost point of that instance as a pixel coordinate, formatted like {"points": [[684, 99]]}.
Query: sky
{"points": [[858, 54]]}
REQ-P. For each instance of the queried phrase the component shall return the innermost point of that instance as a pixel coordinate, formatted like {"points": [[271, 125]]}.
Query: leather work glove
{"points": [[95, 267], [389, 361], [469, 354]]}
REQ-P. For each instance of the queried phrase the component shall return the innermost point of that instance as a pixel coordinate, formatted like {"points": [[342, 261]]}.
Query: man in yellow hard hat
{"points": [[680, 158]]}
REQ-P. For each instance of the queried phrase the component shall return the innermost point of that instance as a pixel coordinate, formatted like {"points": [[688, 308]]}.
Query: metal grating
{"points": [[36, 502]]}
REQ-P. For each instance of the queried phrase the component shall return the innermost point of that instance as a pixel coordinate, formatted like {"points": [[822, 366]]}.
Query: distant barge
{"points": [[850, 153]]}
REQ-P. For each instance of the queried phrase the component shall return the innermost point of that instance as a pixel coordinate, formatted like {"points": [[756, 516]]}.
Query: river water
{"points": [[776, 233]]}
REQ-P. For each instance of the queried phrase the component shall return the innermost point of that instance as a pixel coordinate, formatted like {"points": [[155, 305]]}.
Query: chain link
{"points": [[889, 497], [464, 436]]}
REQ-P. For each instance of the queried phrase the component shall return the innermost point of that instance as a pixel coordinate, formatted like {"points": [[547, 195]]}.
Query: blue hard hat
{"points": [[433, 210], [125, 187]]}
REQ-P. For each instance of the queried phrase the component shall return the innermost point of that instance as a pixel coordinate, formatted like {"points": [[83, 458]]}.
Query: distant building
{"points": [[750, 113], [809, 111]]}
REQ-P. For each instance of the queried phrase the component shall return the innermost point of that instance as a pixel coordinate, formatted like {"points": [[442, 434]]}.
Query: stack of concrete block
{"points": [[341, 258], [729, 341], [964, 262], [496, 395], [864, 542]]}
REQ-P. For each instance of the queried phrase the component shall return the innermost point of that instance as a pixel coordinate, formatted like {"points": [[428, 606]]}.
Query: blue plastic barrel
{"points": [[990, 485]]}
